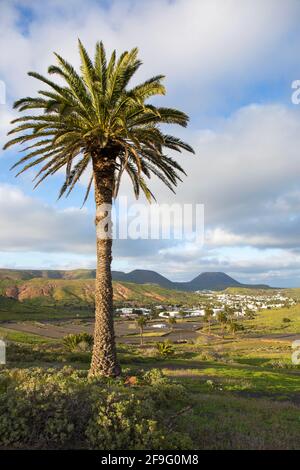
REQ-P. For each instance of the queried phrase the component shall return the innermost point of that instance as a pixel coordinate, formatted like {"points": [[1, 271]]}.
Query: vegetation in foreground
{"points": [[63, 409], [239, 392]]}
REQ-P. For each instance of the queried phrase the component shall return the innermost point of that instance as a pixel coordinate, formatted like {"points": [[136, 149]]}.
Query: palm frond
{"points": [[93, 117]]}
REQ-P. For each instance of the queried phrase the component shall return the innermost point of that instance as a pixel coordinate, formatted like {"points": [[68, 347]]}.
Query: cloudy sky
{"points": [[230, 65]]}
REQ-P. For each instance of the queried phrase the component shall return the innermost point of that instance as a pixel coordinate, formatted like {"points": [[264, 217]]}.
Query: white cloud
{"points": [[246, 173], [198, 43], [5, 117], [251, 158], [29, 225]]}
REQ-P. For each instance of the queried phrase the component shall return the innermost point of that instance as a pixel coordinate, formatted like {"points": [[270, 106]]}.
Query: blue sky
{"points": [[230, 66]]}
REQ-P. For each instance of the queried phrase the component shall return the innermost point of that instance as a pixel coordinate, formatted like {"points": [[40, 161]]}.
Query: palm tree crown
{"points": [[94, 116]]}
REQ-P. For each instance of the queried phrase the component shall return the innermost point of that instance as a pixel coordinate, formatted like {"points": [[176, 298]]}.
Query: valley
{"points": [[232, 383]]}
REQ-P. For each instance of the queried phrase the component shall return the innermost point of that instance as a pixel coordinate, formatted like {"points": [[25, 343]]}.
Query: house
{"points": [[145, 311], [195, 313], [125, 310]]}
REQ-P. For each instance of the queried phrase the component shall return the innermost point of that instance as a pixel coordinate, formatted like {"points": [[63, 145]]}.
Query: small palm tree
{"points": [[234, 327], [78, 342], [229, 312], [249, 314], [165, 349], [172, 322], [93, 122], [141, 323], [208, 316], [223, 320]]}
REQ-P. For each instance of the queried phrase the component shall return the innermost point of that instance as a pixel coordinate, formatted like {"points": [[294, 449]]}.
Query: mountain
{"points": [[205, 281], [143, 276], [211, 281]]}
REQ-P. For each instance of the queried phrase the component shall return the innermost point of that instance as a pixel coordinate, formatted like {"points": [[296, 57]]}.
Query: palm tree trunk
{"points": [[141, 335], [104, 358]]}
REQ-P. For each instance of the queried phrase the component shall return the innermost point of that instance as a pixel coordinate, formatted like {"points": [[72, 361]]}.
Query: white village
{"points": [[237, 305]]}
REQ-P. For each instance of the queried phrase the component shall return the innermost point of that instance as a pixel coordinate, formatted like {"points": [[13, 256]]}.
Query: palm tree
{"points": [[92, 121], [223, 320], [233, 327], [229, 312], [208, 314], [141, 323], [172, 322]]}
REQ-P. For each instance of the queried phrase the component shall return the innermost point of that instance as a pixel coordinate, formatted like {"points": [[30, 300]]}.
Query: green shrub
{"points": [[280, 364], [50, 409], [42, 409], [209, 356], [234, 327], [129, 423], [79, 342], [154, 377]]}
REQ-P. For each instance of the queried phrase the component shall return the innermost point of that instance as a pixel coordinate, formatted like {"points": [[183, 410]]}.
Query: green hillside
{"points": [[251, 291], [26, 274], [60, 298]]}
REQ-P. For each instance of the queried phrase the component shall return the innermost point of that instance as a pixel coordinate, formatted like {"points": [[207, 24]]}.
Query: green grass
{"points": [[230, 422], [294, 293], [239, 379], [271, 321], [35, 312], [21, 337]]}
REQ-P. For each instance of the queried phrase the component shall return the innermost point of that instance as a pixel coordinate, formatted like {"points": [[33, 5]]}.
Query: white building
{"points": [[170, 314], [125, 310]]}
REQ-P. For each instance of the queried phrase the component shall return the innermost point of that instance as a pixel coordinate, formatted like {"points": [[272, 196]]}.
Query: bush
{"points": [[50, 409], [130, 423], [154, 377], [42, 409], [283, 365], [209, 356], [79, 342]]}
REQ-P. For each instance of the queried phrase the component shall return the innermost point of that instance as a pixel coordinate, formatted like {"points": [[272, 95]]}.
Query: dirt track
{"points": [[126, 331]]}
